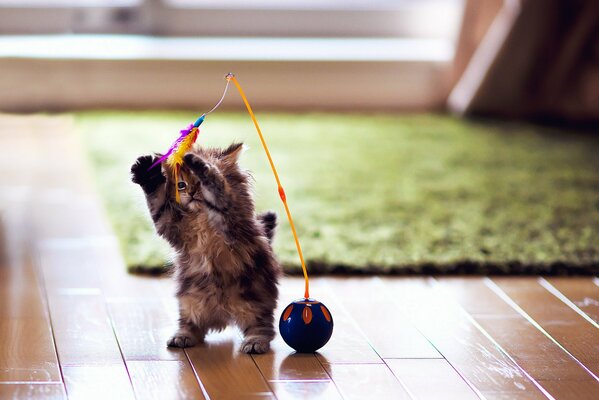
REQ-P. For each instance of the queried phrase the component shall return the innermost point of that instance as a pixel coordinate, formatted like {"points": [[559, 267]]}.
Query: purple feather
{"points": [[184, 133]]}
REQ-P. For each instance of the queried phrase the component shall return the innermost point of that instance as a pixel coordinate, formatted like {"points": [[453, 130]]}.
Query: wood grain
{"points": [[20, 294], [366, 381], [290, 390], [164, 380], [465, 347], [572, 331], [143, 327], [418, 374], [81, 219], [28, 391], [97, 382], [224, 371], [20, 291], [399, 338], [583, 292], [284, 364], [82, 330], [541, 358], [116, 282], [583, 390], [68, 269], [27, 352]]}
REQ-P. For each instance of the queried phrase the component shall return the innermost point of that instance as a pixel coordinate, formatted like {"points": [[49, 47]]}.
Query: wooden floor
{"points": [[74, 324]]}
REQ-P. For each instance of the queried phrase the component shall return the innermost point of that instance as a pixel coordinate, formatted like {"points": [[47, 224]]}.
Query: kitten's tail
{"points": [[268, 220]]}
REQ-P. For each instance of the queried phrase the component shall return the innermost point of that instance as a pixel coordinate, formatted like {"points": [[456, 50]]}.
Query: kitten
{"points": [[224, 266]]}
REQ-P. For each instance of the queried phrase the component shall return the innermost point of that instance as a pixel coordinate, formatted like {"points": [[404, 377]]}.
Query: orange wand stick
{"points": [[231, 77]]}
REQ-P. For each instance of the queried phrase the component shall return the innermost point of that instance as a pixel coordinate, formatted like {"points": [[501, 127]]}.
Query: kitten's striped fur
{"points": [[225, 268]]}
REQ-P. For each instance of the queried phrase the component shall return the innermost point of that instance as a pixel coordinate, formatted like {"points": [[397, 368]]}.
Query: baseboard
{"points": [[53, 74]]}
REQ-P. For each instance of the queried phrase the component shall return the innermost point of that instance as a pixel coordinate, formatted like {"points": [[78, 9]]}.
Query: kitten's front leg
{"points": [[213, 183], [188, 334], [149, 179], [258, 333], [153, 183]]}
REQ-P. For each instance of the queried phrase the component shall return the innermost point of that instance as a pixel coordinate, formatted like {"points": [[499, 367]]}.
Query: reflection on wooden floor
{"points": [[74, 323]]}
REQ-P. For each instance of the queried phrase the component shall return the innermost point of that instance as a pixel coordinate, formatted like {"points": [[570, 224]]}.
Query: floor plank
{"points": [[68, 270], [82, 330], [465, 347], [583, 390], [20, 301], [27, 351], [291, 390], [399, 338], [20, 291], [20, 294], [164, 380], [563, 324], [97, 382], [536, 354], [143, 327], [282, 364], [417, 375], [28, 391], [224, 371], [29, 366], [54, 220], [93, 302], [583, 292], [366, 381]]}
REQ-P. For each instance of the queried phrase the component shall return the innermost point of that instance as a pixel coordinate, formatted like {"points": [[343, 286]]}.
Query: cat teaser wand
{"points": [[305, 324]]}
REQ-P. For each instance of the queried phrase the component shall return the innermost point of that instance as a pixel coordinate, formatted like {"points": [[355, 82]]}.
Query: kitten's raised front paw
{"points": [[196, 164], [148, 178], [255, 345], [182, 341]]}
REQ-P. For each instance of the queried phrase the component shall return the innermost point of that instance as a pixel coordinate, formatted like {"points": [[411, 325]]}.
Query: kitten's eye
{"points": [[181, 185]]}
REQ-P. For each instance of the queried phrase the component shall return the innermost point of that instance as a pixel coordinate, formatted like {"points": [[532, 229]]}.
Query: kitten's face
{"points": [[189, 185], [190, 191]]}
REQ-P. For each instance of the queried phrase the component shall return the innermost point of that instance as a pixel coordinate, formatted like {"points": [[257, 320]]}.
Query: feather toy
{"points": [[174, 155]]}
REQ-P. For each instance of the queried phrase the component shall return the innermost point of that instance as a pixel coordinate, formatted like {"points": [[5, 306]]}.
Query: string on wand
{"points": [[231, 77]]}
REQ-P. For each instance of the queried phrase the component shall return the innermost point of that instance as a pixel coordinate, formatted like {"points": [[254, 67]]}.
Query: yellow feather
{"points": [[175, 160]]}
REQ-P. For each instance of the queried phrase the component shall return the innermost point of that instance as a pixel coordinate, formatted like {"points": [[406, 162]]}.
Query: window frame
{"points": [[384, 18]]}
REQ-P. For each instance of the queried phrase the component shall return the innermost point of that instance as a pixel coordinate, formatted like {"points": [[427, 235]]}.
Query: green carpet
{"points": [[380, 193]]}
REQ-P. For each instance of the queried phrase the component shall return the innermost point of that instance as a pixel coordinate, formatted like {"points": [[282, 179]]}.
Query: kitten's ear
{"points": [[231, 154]]}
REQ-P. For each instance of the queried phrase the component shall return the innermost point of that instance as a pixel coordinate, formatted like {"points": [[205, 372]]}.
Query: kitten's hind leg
{"points": [[258, 333]]}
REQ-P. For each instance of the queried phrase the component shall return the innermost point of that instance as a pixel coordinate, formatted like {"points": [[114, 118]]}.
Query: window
{"points": [[274, 18]]}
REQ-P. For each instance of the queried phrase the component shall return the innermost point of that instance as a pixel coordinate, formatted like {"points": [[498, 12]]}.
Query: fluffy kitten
{"points": [[225, 268]]}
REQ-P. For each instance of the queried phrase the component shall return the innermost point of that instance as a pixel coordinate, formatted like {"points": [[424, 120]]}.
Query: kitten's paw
{"points": [[182, 341], [255, 345], [148, 178], [196, 164]]}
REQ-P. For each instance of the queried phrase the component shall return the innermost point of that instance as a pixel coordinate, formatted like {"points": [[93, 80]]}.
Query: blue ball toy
{"points": [[306, 325]]}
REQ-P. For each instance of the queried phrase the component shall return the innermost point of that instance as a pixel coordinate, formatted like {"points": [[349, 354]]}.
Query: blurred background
{"points": [[523, 58], [445, 103], [359, 54]]}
